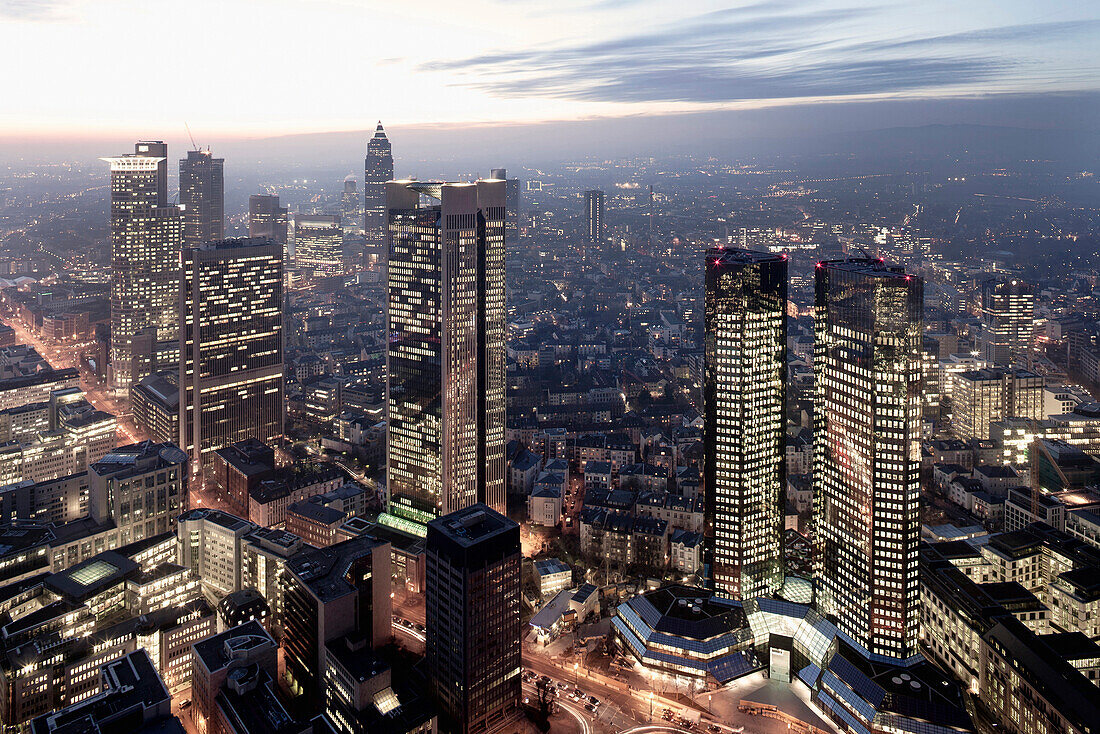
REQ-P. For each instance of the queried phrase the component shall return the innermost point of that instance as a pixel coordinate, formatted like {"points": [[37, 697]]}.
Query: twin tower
{"points": [[867, 417]]}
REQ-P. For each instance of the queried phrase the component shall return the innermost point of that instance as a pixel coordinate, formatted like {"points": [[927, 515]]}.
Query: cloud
{"points": [[764, 50], [31, 9]]}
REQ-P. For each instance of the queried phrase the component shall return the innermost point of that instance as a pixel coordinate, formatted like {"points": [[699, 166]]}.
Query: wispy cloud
{"points": [[758, 51], [31, 9]]}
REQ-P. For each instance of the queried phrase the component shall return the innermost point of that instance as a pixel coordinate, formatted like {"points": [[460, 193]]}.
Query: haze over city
{"points": [[574, 367]]}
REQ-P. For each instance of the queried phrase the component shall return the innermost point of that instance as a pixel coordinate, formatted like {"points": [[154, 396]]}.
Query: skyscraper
{"points": [[145, 247], [231, 346], [445, 360], [202, 198], [511, 196], [319, 243], [1008, 320], [593, 217], [267, 219], [867, 414], [351, 209], [745, 423], [472, 611], [377, 170]]}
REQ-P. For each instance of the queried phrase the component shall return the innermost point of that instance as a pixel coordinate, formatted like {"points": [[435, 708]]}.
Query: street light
{"points": [[651, 707], [576, 667]]}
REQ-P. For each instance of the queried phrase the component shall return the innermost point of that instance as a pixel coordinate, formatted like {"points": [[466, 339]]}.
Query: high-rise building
{"points": [[202, 198], [445, 358], [319, 243], [231, 346], [1008, 320], [266, 218], [511, 197], [593, 217], [351, 208], [145, 246], [472, 611], [328, 593], [985, 396], [377, 170], [745, 424], [867, 458]]}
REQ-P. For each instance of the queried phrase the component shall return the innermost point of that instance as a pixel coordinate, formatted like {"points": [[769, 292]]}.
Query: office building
{"points": [[1008, 321], [445, 358], [377, 170], [15, 392], [745, 423], [318, 244], [867, 417], [142, 488], [155, 403], [230, 660], [511, 205], [473, 618], [202, 198], [329, 593], [985, 396], [593, 218], [231, 346], [145, 246], [267, 219], [351, 208]]}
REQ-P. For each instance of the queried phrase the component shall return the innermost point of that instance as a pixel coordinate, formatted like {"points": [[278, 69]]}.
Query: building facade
{"points": [[473, 618], [745, 426], [202, 198], [145, 244], [867, 418], [445, 359], [319, 243], [377, 170], [231, 346], [594, 228], [1008, 320]]}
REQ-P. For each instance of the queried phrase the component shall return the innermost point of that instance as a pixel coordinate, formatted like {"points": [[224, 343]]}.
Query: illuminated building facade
{"points": [[1008, 320], [202, 198], [377, 170], [745, 423], [593, 216], [472, 613], [231, 346], [319, 243], [867, 416], [145, 245], [445, 360]]}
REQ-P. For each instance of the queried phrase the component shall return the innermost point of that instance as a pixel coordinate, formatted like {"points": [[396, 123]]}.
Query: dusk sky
{"points": [[241, 67]]}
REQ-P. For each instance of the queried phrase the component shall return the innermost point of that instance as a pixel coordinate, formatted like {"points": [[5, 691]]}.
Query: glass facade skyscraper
{"points": [[445, 358], [593, 217], [145, 246], [745, 420], [867, 417], [202, 198], [231, 346], [377, 170], [1008, 320]]}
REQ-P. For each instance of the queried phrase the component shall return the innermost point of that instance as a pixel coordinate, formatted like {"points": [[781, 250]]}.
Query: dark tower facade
{"points": [[377, 170], [202, 198]]}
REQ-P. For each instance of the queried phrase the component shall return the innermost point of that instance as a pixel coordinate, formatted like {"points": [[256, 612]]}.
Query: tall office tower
{"points": [[445, 360], [351, 210], [1008, 320], [511, 197], [202, 198], [145, 247], [472, 611], [867, 415], [267, 219], [377, 170], [593, 217], [745, 426], [319, 243], [231, 346]]}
